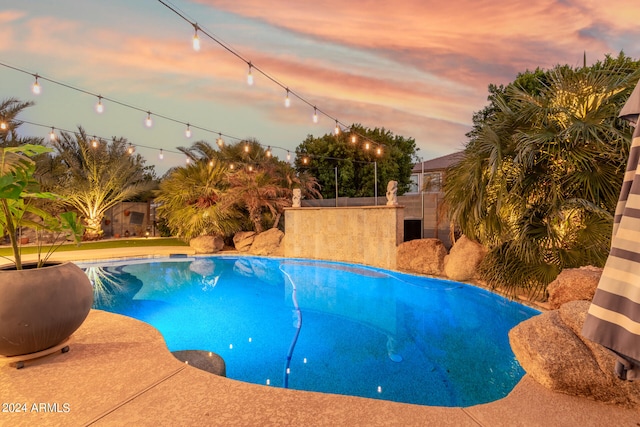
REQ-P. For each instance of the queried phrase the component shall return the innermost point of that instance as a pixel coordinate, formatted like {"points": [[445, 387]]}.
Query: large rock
{"points": [[573, 284], [207, 244], [464, 257], [243, 240], [425, 256], [553, 352], [268, 243]]}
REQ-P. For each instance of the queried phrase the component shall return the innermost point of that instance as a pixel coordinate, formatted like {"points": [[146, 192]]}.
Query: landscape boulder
{"points": [[464, 257], [207, 244], [243, 240], [573, 284], [268, 243], [551, 349], [425, 256]]}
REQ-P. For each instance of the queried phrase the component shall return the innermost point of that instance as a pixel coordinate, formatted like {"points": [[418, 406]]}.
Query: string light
{"points": [[305, 160], [161, 155], [99, 106], [219, 141], [354, 138], [246, 148], [94, 142], [287, 101], [379, 151], [250, 76], [268, 152], [148, 122], [210, 163], [187, 132], [250, 168], [36, 86], [367, 146], [231, 166], [187, 160], [3, 125], [196, 39], [130, 150], [52, 135]]}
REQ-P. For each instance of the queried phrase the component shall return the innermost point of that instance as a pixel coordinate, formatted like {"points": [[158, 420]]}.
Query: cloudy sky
{"points": [[418, 68]]}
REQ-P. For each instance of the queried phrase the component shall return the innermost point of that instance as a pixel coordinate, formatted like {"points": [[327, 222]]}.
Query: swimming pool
{"points": [[324, 326]]}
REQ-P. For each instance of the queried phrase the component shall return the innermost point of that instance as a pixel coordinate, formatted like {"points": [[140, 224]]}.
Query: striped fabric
{"points": [[613, 319]]}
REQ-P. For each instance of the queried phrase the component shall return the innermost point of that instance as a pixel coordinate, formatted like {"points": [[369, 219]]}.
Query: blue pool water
{"points": [[323, 326]]}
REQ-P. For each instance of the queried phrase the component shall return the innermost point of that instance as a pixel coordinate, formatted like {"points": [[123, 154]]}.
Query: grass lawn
{"points": [[105, 244]]}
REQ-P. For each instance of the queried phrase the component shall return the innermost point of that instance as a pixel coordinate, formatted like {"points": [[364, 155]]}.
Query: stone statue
{"points": [[297, 195], [392, 190]]}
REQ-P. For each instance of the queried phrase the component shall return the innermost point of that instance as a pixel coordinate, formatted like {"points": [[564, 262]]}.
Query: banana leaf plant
{"points": [[19, 191]]}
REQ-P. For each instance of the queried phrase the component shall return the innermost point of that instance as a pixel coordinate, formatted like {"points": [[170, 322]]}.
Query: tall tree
{"points": [[540, 176], [10, 108], [249, 183], [189, 199], [98, 176], [358, 162]]}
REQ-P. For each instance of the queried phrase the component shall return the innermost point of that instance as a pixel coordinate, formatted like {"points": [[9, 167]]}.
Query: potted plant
{"points": [[41, 303]]}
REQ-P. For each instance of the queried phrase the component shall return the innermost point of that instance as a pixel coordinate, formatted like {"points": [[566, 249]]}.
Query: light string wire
{"points": [[130, 106], [115, 101], [93, 137], [252, 67], [149, 113]]}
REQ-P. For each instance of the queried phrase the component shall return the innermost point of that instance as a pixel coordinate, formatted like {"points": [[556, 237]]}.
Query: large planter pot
{"points": [[41, 307]]}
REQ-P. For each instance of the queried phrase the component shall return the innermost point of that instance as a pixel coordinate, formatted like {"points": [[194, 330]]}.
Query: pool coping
{"points": [[119, 370]]}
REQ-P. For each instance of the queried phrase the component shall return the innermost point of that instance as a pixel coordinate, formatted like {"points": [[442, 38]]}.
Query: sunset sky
{"points": [[418, 68]]}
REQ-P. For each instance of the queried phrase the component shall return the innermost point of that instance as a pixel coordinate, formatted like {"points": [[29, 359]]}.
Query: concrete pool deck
{"points": [[119, 372]]}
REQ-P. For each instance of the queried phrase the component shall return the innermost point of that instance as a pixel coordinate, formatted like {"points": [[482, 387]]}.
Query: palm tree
{"points": [[10, 108], [189, 201], [258, 181], [539, 179], [257, 191], [99, 175]]}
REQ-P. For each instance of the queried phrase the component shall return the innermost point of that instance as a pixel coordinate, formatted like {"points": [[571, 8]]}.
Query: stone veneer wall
{"points": [[365, 235]]}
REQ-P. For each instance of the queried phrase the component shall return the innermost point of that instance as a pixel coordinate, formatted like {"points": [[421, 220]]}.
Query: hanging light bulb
{"points": [[379, 151], [219, 141], [246, 148], [268, 153], [161, 155], [287, 101], [288, 156], [99, 106], [187, 160], [196, 39], [94, 142], [354, 139], [130, 150], [231, 166], [305, 160], [187, 132], [36, 86], [250, 76], [148, 122], [337, 129], [52, 135], [210, 163], [3, 125], [315, 115], [250, 168], [367, 146]]}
